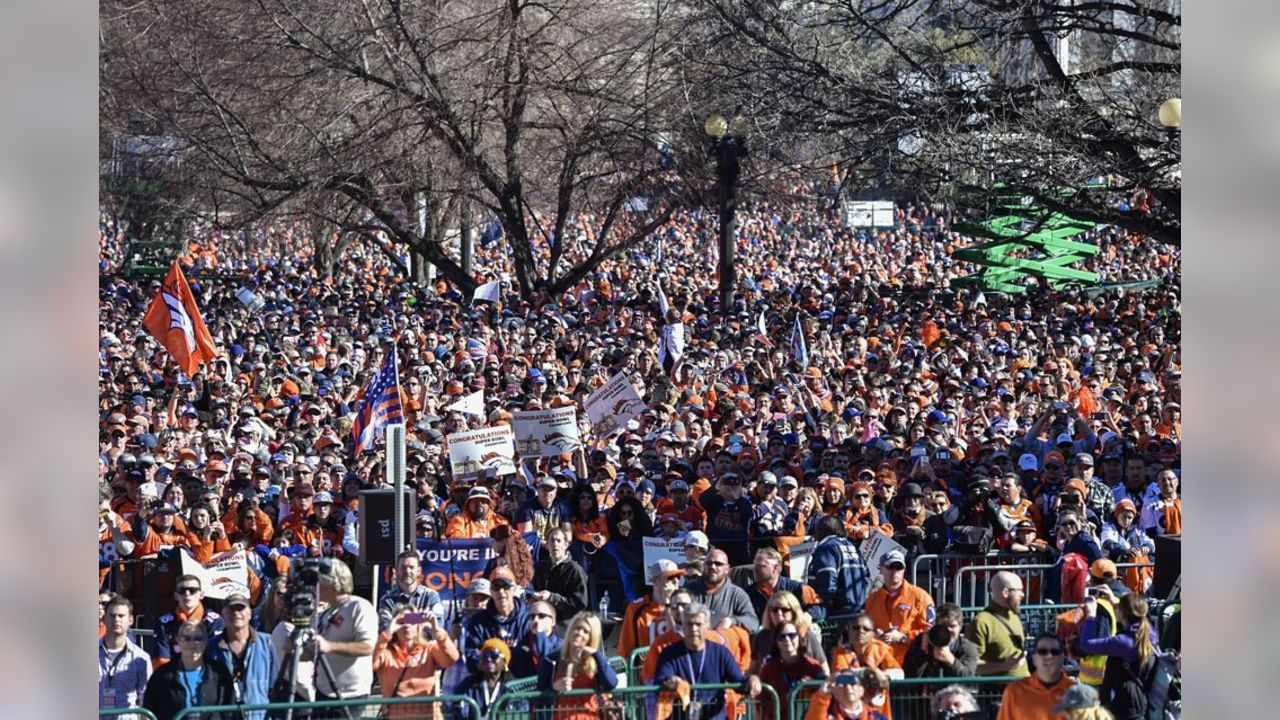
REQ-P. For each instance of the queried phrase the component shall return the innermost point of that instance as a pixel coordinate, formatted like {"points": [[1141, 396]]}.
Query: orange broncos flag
{"points": [[175, 321]]}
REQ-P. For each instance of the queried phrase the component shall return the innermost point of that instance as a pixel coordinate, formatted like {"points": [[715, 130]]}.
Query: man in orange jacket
{"points": [[476, 519], [900, 610]]}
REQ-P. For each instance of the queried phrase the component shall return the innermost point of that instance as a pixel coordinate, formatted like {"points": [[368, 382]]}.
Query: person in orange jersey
{"points": [[645, 618], [899, 610]]}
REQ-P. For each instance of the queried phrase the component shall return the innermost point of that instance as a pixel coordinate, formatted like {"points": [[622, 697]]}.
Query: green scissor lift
{"points": [[1025, 240], [143, 259]]}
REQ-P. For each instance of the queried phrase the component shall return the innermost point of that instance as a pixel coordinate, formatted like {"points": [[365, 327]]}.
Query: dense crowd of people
{"points": [[1045, 426]]}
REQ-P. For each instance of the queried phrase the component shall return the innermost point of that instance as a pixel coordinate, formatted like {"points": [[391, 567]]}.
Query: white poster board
{"points": [[876, 545], [225, 574], [798, 560], [868, 213], [612, 405], [546, 433], [656, 549], [487, 451]]}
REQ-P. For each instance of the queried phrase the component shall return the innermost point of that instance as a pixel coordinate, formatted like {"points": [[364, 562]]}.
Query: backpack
{"points": [[1075, 576], [971, 539], [1149, 687]]}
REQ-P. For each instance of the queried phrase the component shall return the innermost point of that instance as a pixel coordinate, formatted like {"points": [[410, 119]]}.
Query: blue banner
{"points": [[449, 566]]}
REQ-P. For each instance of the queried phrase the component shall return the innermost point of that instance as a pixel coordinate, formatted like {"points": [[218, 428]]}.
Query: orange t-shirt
{"points": [[1029, 699]]}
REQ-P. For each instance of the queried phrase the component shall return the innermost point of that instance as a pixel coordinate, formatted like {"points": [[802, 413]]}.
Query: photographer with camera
{"points": [[346, 633], [977, 520]]}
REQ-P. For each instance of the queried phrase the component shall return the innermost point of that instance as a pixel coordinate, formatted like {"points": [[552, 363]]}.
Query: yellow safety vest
{"points": [[1092, 667]]}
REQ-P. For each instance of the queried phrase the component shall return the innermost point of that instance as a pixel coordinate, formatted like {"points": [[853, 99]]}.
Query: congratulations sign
{"points": [[612, 405], [488, 451], [546, 433]]}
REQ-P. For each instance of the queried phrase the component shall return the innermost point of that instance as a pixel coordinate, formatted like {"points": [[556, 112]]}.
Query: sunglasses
{"points": [[187, 590], [1052, 466], [717, 563], [491, 656], [788, 636], [862, 495], [1049, 651]]}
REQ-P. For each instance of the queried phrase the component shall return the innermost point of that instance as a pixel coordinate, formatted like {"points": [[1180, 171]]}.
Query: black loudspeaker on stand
{"points": [[1168, 569], [377, 525]]}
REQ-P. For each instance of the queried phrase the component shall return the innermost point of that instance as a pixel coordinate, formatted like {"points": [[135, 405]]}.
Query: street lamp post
{"points": [[728, 147], [1170, 115]]}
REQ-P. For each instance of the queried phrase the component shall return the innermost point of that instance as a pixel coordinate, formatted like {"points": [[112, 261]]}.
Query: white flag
{"points": [[491, 291], [762, 331], [981, 299], [663, 305], [472, 404], [671, 346]]}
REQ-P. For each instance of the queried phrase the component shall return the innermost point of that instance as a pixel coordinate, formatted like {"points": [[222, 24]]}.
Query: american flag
{"points": [[381, 404], [798, 346]]}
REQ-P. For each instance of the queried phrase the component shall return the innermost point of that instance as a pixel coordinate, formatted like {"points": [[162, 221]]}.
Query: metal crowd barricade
{"points": [[621, 667], [635, 665], [832, 631], [937, 573], [970, 583], [127, 713], [617, 704], [369, 707], [910, 699]]}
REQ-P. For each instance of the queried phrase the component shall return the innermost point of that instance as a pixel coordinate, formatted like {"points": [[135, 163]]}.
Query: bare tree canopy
{"points": [[1055, 100], [389, 112]]}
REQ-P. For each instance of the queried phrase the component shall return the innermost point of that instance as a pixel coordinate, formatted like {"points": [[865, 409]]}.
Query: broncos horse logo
{"points": [[624, 406], [561, 441], [178, 318], [492, 459]]}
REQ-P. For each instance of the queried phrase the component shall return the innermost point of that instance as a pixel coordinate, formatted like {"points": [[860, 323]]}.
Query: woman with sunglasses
{"points": [[784, 607], [190, 681], [863, 648], [788, 664], [409, 654]]}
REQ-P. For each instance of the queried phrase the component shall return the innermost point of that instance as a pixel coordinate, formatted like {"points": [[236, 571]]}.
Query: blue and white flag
{"points": [[798, 347]]}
